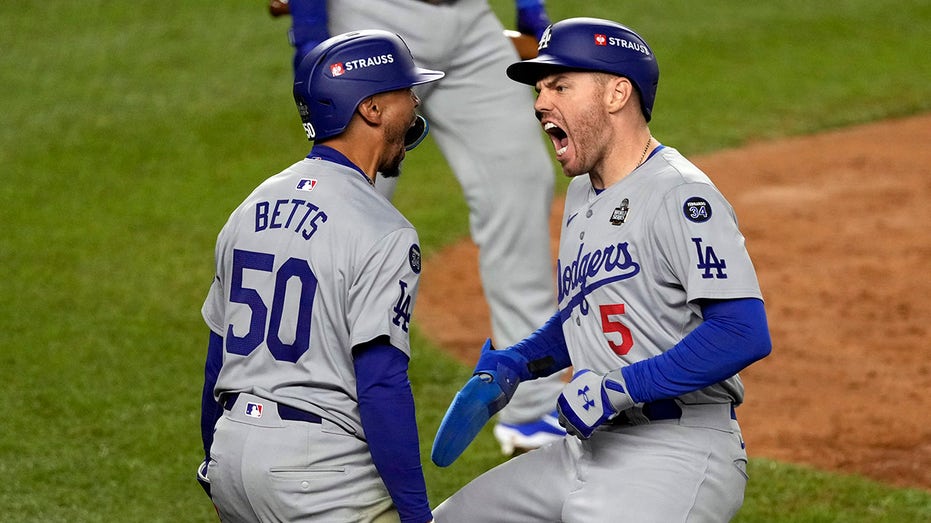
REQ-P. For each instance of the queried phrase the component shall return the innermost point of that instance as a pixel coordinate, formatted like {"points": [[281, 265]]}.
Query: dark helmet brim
{"points": [[532, 71]]}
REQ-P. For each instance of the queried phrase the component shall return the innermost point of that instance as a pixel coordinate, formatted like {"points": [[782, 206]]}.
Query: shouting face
{"points": [[571, 109]]}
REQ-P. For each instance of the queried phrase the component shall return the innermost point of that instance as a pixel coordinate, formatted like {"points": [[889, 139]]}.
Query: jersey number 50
{"points": [[260, 317]]}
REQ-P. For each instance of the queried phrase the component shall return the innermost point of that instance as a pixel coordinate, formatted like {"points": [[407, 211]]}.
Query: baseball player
{"points": [[307, 407], [659, 308], [484, 126]]}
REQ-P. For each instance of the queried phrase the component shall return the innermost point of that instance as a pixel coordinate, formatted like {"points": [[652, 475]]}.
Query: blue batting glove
{"points": [[590, 399], [496, 376], [532, 18], [506, 367]]}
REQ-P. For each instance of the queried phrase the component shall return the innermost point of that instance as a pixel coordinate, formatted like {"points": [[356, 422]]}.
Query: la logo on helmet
{"points": [[545, 39]]}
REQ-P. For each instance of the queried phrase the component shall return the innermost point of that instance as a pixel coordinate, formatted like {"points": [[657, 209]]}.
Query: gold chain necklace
{"points": [[643, 155]]}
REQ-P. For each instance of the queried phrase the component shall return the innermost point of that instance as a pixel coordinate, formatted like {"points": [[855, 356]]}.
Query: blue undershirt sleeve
{"points": [[545, 350], [210, 410], [386, 405], [733, 335]]}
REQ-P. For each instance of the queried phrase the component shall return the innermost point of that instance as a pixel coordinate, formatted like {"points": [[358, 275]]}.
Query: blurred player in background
{"points": [[659, 309], [307, 408], [484, 125]]}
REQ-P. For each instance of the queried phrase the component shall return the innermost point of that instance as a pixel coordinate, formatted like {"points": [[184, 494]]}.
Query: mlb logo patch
{"points": [[306, 184], [254, 410], [337, 69], [601, 39]]}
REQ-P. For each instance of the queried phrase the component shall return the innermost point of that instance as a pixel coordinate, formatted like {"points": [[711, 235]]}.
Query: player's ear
{"points": [[370, 110], [617, 93]]}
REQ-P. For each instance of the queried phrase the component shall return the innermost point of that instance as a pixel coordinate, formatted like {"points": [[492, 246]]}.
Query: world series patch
{"points": [[620, 212], [697, 209]]}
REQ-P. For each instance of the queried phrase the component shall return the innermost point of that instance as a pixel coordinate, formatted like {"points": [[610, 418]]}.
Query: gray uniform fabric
{"points": [[632, 260], [484, 125], [314, 262]]}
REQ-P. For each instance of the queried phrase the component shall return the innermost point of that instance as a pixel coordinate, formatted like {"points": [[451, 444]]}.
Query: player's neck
{"points": [[624, 161], [362, 156]]}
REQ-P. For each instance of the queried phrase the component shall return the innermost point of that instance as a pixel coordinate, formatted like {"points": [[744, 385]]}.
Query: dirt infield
{"points": [[839, 227]]}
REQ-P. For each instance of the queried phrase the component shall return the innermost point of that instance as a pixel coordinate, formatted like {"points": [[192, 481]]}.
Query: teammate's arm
{"points": [[210, 410], [386, 405], [733, 335], [309, 20], [531, 17]]}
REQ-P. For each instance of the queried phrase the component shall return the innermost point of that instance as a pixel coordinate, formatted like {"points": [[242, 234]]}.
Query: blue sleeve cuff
{"points": [[545, 350], [386, 405], [733, 335]]}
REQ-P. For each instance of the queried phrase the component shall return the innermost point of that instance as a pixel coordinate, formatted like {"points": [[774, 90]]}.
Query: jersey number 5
{"points": [[260, 317], [609, 325]]}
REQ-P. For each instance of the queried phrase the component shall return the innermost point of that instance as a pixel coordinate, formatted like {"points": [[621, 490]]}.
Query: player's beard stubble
{"points": [[395, 135]]}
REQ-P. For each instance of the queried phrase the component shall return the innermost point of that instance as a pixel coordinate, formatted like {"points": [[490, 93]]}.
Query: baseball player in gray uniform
{"points": [[483, 124], [659, 308], [307, 408]]}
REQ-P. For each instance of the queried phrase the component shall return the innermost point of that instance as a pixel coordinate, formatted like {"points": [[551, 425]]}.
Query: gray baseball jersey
{"points": [[312, 263], [634, 258], [632, 261], [484, 125]]}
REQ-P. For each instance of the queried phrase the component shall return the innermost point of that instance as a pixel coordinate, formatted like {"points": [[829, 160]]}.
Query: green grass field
{"points": [[131, 129]]}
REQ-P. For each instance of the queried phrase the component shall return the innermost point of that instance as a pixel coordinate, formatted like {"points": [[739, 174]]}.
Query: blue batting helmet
{"points": [[335, 76], [593, 44]]}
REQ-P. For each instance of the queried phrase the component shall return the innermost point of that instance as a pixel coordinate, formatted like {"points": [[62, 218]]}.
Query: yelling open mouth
{"points": [[558, 136]]}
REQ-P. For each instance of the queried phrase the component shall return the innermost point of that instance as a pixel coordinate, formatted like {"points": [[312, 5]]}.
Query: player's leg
{"points": [[722, 494], [659, 473], [226, 488], [530, 487], [485, 126], [267, 469]]}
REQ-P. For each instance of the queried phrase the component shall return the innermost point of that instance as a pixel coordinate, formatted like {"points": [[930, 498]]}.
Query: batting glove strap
{"points": [[614, 391], [591, 399]]}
